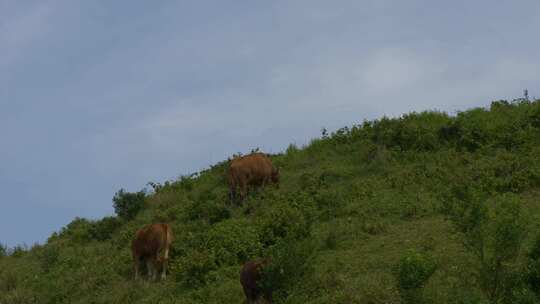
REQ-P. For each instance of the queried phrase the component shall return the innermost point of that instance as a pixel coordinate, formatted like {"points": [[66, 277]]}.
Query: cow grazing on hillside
{"points": [[251, 279], [251, 170], [151, 245]]}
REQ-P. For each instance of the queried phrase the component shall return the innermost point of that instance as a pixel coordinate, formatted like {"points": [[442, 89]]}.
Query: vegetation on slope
{"points": [[425, 208]]}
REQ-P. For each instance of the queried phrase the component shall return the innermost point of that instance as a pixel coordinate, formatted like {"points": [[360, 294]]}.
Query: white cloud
{"points": [[19, 31], [391, 70]]}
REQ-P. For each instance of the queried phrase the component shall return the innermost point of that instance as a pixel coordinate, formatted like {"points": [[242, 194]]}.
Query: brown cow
{"points": [[255, 169], [250, 278], [149, 242]]}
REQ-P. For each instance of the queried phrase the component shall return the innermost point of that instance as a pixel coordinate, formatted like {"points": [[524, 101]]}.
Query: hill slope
{"points": [[425, 207]]}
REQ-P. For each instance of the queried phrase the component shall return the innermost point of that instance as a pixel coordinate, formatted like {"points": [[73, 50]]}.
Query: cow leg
{"points": [[151, 268], [136, 264], [232, 194], [243, 190], [164, 270], [268, 296], [262, 300], [252, 295], [164, 264]]}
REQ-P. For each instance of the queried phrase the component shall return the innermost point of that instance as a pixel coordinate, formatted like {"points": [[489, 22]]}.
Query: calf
{"points": [[151, 245], [251, 280]]}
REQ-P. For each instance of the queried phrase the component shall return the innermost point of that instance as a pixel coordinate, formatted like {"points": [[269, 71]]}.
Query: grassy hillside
{"points": [[425, 208]]}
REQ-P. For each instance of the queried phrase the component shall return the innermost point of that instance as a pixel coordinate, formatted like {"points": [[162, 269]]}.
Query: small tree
{"points": [[412, 272], [128, 204], [103, 229], [494, 231]]}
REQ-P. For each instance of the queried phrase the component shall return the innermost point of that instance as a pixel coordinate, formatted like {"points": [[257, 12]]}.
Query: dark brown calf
{"points": [[250, 278], [149, 242], [251, 170]]}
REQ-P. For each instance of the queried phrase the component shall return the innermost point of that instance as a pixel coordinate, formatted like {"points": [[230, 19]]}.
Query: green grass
{"points": [[350, 207]]}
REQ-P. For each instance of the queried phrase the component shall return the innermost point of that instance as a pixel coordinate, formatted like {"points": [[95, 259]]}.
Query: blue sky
{"points": [[99, 95]]}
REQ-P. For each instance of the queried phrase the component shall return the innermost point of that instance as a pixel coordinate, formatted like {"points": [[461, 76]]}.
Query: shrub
{"points": [[505, 172], [414, 131], [449, 133], [186, 182], [412, 272], [192, 269], [103, 229], [127, 204], [77, 230], [281, 222], [213, 211], [289, 262], [473, 134], [48, 256], [534, 114], [233, 242], [533, 268], [503, 126], [331, 240]]}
